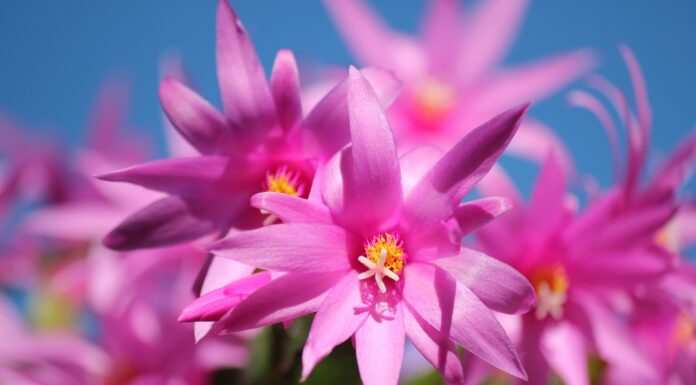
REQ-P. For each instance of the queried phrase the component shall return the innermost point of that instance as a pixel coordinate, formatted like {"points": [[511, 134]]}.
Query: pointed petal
{"points": [[337, 319], [453, 309], [285, 298], [285, 87], [495, 283], [547, 203], [474, 214], [246, 96], [532, 82], [197, 176], [376, 172], [291, 208], [439, 351], [291, 247], [483, 46], [204, 127], [214, 304], [442, 188], [639, 89], [168, 221], [440, 26], [563, 346], [379, 347], [622, 268]]}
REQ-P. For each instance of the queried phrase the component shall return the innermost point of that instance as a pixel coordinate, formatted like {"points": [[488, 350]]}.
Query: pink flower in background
{"points": [[260, 143], [381, 258], [451, 72]]}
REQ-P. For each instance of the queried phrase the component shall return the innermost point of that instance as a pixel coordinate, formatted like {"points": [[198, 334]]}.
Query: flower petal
{"points": [[291, 208], [453, 309], [337, 319], [204, 127], [495, 283], [415, 163], [474, 214], [285, 298], [563, 346], [441, 25], [327, 124], [442, 188], [439, 351], [216, 303], [376, 173], [168, 221], [379, 347], [547, 203], [291, 247], [285, 87], [246, 96]]}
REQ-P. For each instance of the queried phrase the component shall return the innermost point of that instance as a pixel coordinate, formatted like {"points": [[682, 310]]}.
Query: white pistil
{"points": [[549, 302], [378, 270]]}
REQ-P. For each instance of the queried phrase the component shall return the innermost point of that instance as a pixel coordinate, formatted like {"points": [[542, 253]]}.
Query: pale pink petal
{"points": [[439, 351], [246, 96], [441, 25], [291, 208], [496, 284], [624, 267], [547, 203], [415, 163], [337, 319], [639, 88], [442, 188], [474, 214], [204, 127], [379, 347], [564, 348], [456, 311], [327, 124], [376, 173], [674, 172], [285, 298], [291, 247], [483, 45], [285, 87]]}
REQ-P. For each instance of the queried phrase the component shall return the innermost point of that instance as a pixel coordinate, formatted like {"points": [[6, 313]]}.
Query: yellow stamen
{"points": [[551, 285], [384, 257], [434, 99], [285, 181]]}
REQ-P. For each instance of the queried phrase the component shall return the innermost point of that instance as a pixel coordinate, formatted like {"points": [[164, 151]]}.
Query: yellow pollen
{"points": [[434, 99], [394, 247], [284, 181], [551, 286], [555, 277]]}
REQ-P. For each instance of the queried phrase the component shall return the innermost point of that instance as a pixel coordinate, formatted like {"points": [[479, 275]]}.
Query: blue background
{"points": [[54, 56]]}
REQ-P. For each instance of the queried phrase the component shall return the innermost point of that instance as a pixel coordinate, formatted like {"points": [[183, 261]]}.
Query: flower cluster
{"points": [[375, 213]]}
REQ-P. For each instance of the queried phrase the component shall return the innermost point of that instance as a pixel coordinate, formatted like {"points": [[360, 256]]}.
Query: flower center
{"points": [[434, 99], [384, 257], [284, 180], [551, 285], [668, 236], [685, 330]]}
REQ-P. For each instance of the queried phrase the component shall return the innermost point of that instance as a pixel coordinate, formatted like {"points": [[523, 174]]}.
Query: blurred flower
{"points": [[450, 72], [382, 259]]}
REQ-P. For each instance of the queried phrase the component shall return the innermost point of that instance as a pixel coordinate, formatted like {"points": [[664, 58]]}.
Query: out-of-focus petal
{"points": [[291, 247], [547, 203], [204, 127], [285, 87], [496, 284], [564, 348], [534, 141]]}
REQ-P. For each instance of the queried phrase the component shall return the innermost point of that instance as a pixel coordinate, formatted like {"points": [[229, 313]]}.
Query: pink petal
{"points": [[495, 283], [439, 351], [474, 214], [456, 311], [214, 304], [291, 208], [196, 176], [415, 163], [547, 203], [337, 319], [379, 347], [291, 247], [168, 221], [563, 346], [674, 172], [204, 127], [639, 88], [621, 267], [285, 87], [442, 188], [285, 298], [376, 173], [532, 81], [484, 46], [327, 124], [534, 141], [441, 25], [246, 96]]}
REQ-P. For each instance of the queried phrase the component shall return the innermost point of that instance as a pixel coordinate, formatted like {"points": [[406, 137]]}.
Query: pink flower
{"points": [[260, 143], [451, 76], [381, 258]]}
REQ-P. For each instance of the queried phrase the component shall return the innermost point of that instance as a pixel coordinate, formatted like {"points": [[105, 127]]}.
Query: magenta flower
{"points": [[451, 76], [381, 259], [260, 143]]}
